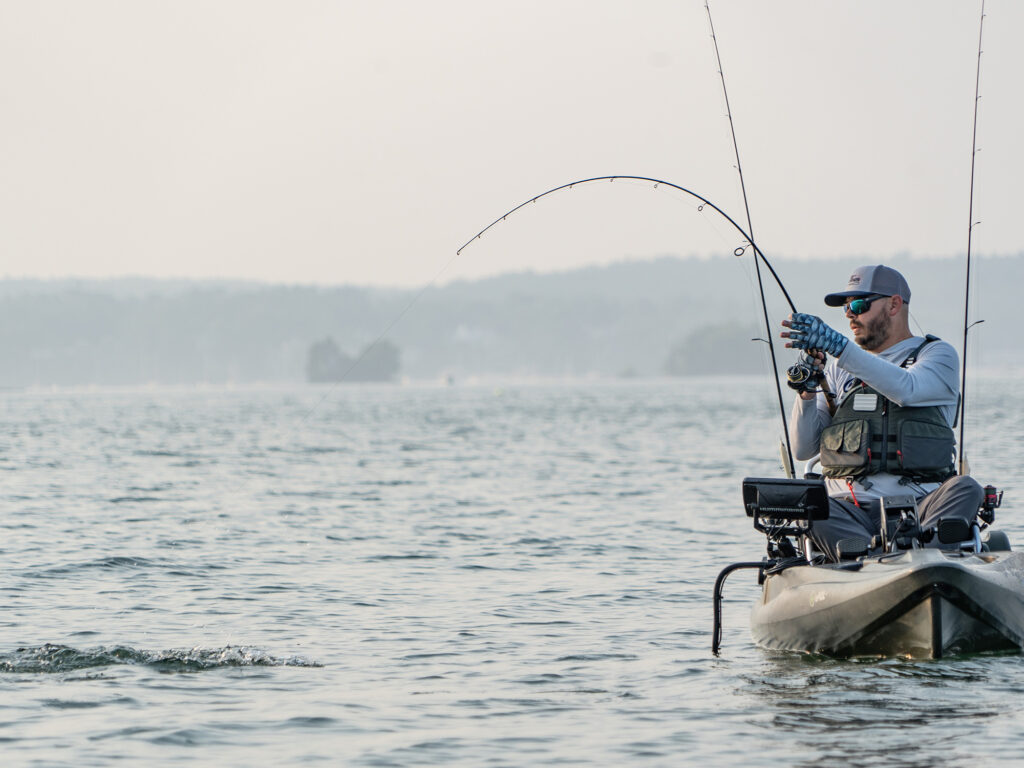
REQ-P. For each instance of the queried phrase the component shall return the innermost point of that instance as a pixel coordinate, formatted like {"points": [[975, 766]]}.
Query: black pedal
{"points": [[954, 531], [852, 547]]}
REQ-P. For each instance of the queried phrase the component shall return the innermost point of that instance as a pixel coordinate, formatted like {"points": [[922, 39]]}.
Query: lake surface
{"points": [[468, 575]]}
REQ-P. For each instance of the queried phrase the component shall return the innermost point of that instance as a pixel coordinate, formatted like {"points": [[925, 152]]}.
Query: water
{"points": [[500, 576]]}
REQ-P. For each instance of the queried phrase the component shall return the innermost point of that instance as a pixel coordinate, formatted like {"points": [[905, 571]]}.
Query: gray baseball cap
{"points": [[872, 279]]}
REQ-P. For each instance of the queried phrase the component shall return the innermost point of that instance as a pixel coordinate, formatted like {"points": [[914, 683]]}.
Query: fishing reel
{"points": [[804, 375], [993, 498]]}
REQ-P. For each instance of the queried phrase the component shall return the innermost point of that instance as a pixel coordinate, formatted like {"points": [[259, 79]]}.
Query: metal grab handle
{"points": [[716, 634], [812, 462]]}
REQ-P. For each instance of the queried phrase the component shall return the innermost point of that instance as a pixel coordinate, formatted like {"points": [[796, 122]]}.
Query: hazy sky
{"points": [[365, 141]]}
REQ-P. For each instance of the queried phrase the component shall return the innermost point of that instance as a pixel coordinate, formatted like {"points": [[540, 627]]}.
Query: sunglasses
{"points": [[860, 306]]}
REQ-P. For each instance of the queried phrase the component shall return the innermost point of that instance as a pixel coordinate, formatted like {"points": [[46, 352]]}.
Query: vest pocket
{"points": [[844, 448], [925, 446]]}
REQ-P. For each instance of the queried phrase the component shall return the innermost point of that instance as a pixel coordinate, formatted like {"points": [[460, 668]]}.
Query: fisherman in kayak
{"points": [[896, 399]]}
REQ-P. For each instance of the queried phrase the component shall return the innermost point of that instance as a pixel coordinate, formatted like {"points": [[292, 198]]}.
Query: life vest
{"points": [[870, 434]]}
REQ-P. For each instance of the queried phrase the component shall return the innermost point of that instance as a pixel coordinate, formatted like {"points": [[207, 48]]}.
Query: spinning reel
{"points": [[804, 375]]}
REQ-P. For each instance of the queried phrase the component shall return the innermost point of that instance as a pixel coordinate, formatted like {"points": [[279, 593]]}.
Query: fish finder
{"points": [[784, 507]]}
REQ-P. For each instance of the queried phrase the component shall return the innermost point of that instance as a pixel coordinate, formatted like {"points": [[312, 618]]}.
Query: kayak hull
{"points": [[922, 603]]}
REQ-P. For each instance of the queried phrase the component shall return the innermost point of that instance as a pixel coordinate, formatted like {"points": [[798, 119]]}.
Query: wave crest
{"points": [[49, 658]]}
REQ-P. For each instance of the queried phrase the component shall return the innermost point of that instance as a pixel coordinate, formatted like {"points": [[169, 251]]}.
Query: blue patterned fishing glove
{"points": [[810, 332]]}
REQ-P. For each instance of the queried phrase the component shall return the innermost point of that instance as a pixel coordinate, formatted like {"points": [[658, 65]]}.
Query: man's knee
{"points": [[960, 496], [965, 487]]}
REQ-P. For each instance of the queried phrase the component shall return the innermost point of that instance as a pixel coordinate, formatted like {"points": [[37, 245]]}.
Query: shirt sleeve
{"points": [[807, 420], [932, 380]]}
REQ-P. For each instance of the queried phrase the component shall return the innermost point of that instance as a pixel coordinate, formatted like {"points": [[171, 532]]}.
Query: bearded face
{"points": [[871, 329]]}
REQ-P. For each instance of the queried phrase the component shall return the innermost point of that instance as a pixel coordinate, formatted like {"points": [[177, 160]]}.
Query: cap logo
{"points": [[855, 279]]}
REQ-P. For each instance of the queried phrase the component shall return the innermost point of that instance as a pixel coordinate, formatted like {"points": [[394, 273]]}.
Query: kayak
{"points": [[919, 603], [908, 600]]}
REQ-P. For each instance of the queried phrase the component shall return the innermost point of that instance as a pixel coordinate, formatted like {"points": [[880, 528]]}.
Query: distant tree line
{"points": [[644, 318]]}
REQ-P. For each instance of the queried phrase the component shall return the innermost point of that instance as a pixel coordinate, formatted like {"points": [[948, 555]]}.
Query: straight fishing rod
{"points": [[757, 265], [963, 467]]}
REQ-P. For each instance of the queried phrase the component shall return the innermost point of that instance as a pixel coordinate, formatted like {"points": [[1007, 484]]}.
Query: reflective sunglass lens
{"points": [[860, 306]]}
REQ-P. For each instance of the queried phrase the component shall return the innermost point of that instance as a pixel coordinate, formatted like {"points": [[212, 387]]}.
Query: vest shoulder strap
{"points": [[912, 357]]}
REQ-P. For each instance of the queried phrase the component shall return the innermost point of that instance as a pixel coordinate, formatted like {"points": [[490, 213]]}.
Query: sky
{"points": [[364, 142]]}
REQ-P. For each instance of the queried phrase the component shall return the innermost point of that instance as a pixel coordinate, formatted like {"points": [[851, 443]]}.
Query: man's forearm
{"points": [[805, 427]]}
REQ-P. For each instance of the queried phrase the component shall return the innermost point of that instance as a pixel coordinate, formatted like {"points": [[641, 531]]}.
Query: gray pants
{"points": [[958, 497]]}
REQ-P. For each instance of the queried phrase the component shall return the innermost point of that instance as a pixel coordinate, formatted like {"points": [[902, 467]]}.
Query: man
{"points": [[896, 398]]}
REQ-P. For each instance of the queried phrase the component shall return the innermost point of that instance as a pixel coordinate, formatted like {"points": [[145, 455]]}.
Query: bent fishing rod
{"points": [[759, 256], [704, 202], [963, 467]]}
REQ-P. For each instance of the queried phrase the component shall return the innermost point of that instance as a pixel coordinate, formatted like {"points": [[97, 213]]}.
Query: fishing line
{"points": [[913, 318], [963, 467], [750, 229]]}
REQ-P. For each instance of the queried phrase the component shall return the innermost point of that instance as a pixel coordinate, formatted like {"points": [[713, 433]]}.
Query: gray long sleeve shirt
{"points": [[932, 380]]}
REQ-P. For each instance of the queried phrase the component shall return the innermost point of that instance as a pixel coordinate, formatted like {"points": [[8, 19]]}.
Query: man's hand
{"points": [[809, 332], [817, 359]]}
